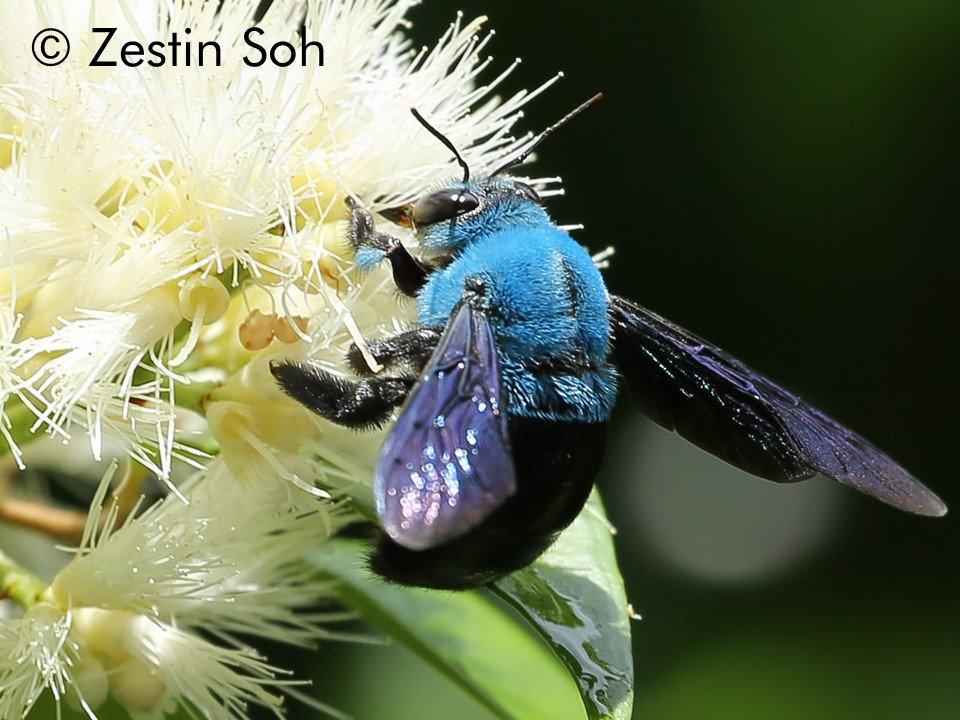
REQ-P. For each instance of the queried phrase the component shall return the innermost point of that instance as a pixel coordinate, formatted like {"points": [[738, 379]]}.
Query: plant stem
{"points": [[20, 585]]}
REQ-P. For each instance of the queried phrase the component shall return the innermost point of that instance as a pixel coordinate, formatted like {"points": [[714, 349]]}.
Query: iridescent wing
{"points": [[447, 465], [722, 406]]}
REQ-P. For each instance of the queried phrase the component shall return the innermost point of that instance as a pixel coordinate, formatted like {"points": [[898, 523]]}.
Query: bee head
{"points": [[448, 217], [457, 213]]}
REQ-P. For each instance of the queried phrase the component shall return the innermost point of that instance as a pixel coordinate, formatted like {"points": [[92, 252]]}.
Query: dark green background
{"points": [[780, 178]]}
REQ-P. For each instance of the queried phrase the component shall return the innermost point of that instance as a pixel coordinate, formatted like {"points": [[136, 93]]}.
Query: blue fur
{"points": [[544, 298], [368, 256]]}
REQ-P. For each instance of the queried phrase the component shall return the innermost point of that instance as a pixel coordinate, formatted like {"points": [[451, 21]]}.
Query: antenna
{"points": [[449, 145], [545, 134]]}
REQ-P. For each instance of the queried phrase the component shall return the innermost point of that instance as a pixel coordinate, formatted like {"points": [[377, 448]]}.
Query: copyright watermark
{"points": [[51, 46]]}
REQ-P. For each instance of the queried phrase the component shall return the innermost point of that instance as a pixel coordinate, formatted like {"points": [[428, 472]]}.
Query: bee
{"points": [[507, 380]]}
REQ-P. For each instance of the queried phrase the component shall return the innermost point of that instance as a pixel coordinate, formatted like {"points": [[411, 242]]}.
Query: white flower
{"points": [[166, 232], [128, 187], [35, 656], [122, 617]]}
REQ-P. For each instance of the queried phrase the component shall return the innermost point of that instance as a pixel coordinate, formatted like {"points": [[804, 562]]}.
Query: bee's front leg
{"points": [[373, 246]]}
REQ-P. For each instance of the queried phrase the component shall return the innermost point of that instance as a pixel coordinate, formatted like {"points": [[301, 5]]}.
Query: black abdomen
{"points": [[556, 463]]}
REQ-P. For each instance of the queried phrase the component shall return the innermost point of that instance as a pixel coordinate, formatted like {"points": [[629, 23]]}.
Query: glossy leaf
{"points": [[574, 597], [466, 636]]}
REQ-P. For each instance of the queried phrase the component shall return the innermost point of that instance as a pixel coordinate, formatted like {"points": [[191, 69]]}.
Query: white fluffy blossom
{"points": [[141, 204], [166, 232], [121, 617]]}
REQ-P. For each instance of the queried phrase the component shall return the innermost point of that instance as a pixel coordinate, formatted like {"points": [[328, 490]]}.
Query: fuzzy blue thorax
{"points": [[544, 298]]}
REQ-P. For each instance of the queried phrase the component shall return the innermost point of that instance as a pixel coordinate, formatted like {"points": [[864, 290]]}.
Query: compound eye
{"points": [[527, 192], [443, 205]]}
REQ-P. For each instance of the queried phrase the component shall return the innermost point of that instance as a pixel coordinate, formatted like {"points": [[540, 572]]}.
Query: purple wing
{"points": [[722, 406], [447, 465]]}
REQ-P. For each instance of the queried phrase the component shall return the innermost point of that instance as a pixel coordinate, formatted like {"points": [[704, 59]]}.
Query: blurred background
{"points": [[779, 178]]}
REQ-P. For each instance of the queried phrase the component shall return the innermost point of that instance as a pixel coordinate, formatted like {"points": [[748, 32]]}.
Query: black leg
{"points": [[408, 273], [363, 404], [412, 347]]}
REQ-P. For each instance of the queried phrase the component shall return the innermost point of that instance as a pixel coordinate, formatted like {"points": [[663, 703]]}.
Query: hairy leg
{"points": [[412, 348], [372, 246], [357, 404]]}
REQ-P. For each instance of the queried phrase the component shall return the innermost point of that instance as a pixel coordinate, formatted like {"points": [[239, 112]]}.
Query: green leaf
{"points": [[575, 599], [475, 642]]}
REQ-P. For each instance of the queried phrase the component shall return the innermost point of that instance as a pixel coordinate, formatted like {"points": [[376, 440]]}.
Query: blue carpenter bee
{"points": [[507, 382]]}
